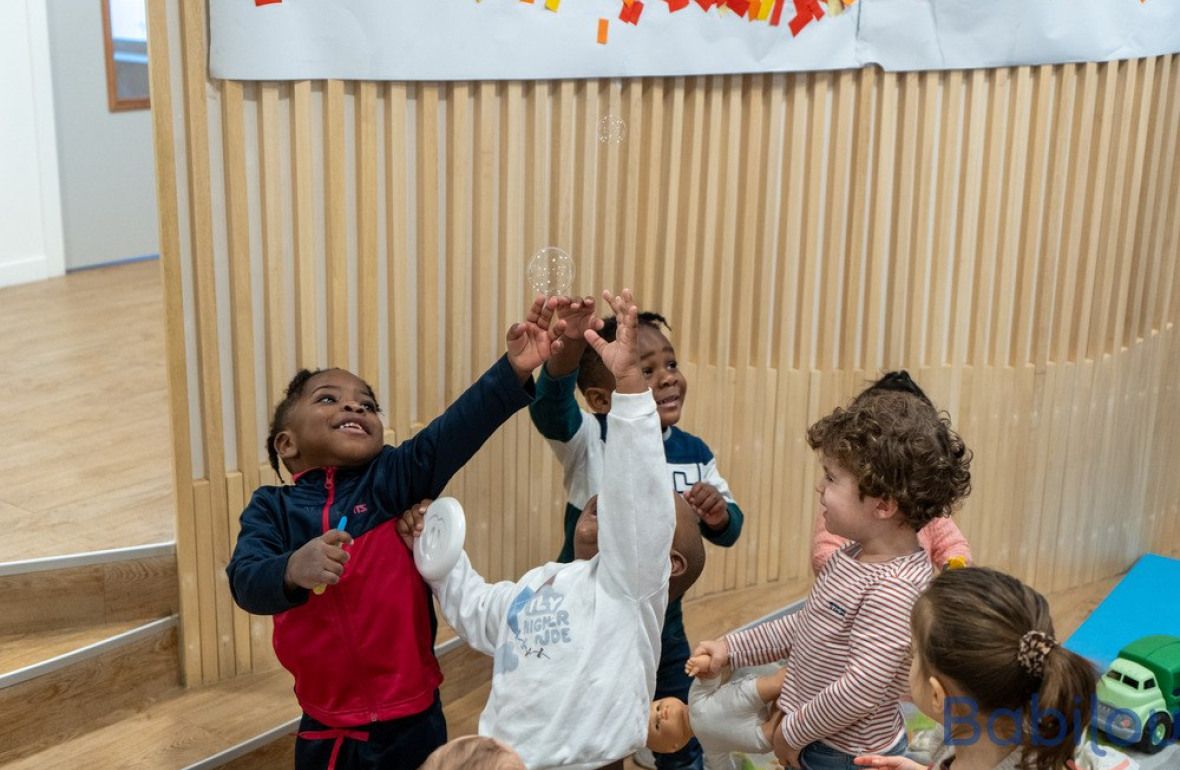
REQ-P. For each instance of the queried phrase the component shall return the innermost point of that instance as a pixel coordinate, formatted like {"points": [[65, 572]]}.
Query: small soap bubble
{"points": [[611, 130], [551, 272]]}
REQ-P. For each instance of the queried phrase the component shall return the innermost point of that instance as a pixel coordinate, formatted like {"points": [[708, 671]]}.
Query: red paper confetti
{"points": [[677, 5], [738, 6], [631, 11], [777, 14], [806, 11], [265, 2]]}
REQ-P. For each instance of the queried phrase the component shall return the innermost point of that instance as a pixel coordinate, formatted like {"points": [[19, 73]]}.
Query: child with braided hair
{"points": [[987, 664], [353, 620]]}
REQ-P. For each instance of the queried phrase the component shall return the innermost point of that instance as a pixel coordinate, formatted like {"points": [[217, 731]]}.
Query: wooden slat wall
{"points": [[1011, 236]]}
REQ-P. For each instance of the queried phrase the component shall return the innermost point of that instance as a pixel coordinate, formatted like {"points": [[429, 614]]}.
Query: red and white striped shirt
{"points": [[847, 652]]}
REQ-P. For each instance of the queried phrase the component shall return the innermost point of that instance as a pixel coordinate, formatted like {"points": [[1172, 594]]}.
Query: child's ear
{"points": [[285, 446], [679, 563], [598, 399], [937, 693], [886, 508]]}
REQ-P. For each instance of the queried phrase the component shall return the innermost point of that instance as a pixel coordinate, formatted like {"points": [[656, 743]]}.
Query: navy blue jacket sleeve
{"points": [[729, 535], [421, 466], [260, 558]]}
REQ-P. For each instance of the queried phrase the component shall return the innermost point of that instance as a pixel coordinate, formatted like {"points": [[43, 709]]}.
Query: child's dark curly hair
{"points": [[592, 373], [898, 447], [279, 421]]}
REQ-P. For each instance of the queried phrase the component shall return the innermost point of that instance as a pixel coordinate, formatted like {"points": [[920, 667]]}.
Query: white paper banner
{"points": [[511, 39]]}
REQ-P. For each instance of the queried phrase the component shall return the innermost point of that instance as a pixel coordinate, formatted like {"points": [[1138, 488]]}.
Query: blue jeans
{"points": [[821, 756], [671, 681]]}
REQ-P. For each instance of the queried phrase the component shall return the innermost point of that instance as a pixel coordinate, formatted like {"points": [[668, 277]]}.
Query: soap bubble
{"points": [[611, 130], [551, 272]]}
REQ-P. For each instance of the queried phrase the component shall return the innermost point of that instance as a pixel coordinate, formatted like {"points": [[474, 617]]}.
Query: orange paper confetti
{"points": [[603, 24]]}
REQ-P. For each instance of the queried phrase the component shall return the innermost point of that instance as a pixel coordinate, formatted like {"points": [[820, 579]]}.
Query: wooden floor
{"points": [[87, 446]]}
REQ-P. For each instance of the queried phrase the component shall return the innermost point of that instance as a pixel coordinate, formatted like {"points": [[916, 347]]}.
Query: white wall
{"points": [[107, 164], [30, 209]]}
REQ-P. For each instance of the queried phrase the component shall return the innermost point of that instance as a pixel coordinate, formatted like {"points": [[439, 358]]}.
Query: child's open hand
{"points": [[621, 356], [319, 561], [893, 763], [579, 315], [409, 526], [708, 504], [708, 659], [532, 341]]}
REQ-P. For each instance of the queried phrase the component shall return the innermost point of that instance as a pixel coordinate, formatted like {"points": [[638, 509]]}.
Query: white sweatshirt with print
{"points": [[576, 645]]}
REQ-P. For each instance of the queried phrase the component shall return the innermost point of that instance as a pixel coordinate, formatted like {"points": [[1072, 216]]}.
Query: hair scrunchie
{"points": [[1034, 648]]}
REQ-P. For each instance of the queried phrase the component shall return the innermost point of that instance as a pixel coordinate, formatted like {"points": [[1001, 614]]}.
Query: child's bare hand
{"points": [[409, 526], [708, 659], [893, 763], [319, 561], [532, 341], [621, 357], [787, 755], [579, 315], [708, 504]]}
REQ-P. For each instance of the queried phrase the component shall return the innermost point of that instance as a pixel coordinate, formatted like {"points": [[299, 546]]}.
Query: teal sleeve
{"points": [[728, 536], [554, 409]]}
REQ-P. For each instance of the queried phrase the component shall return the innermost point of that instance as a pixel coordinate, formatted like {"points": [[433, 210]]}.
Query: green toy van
{"points": [[1139, 695]]}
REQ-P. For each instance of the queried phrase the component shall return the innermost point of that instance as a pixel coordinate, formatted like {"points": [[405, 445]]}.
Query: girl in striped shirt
{"points": [[891, 464]]}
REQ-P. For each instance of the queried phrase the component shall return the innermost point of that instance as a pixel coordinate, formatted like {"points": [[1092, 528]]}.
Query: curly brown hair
{"points": [[898, 447]]}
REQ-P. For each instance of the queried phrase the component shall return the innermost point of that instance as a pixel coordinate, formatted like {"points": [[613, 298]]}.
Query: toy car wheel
{"points": [[1155, 733]]}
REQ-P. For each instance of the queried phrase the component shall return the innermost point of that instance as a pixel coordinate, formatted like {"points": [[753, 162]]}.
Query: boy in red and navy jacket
{"points": [[353, 621]]}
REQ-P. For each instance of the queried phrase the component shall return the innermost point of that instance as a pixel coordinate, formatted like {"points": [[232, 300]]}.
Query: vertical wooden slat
{"points": [[946, 218], [368, 355], [1024, 243], [903, 300], [460, 322], [1163, 201], [1114, 210], [887, 272], [306, 258], [691, 201], [270, 192], [217, 641], [841, 278], [400, 293], [1115, 324], [171, 271], [241, 311], [652, 253], [429, 259], [335, 224]]}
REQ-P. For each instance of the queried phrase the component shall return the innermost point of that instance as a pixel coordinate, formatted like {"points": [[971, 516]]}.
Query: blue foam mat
{"points": [[1145, 602]]}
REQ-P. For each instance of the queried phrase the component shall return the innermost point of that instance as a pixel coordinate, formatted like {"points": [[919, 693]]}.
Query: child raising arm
{"points": [[576, 644], [361, 648]]}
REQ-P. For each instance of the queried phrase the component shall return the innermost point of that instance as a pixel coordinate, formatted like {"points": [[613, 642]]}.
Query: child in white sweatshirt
{"points": [[576, 645]]}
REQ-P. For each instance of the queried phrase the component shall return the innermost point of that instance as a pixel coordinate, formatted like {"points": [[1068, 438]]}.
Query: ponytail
{"points": [[993, 636], [1060, 711]]}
